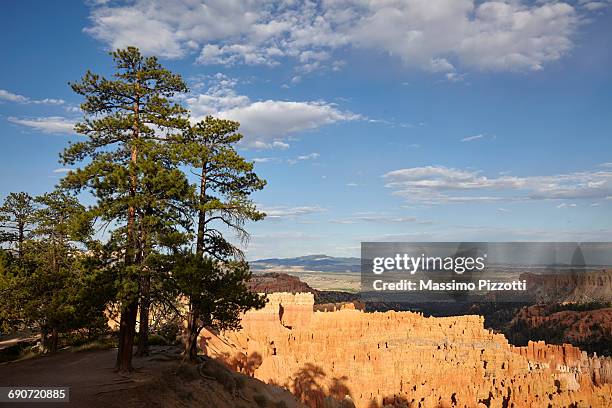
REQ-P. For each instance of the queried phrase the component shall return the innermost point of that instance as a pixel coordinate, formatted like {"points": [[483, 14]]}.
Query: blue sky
{"points": [[371, 120]]}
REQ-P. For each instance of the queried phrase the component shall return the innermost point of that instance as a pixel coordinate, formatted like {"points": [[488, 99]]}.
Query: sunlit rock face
{"points": [[348, 357]]}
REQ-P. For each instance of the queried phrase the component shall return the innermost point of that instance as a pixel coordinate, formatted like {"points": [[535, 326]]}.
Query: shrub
{"points": [[158, 340]]}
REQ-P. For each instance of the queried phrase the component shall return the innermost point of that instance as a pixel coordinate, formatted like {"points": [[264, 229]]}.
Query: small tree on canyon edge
{"points": [[225, 181], [217, 293]]}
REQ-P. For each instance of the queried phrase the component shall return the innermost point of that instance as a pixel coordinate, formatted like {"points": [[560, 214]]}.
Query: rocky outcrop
{"points": [[567, 359], [272, 282], [586, 326], [348, 357], [570, 286]]}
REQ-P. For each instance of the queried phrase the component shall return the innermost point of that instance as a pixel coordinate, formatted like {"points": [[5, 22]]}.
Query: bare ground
{"points": [[159, 380]]}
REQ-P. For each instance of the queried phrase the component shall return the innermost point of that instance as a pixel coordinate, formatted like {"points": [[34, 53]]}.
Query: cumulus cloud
{"points": [[16, 98], [50, 124], [438, 36], [265, 124], [443, 185]]}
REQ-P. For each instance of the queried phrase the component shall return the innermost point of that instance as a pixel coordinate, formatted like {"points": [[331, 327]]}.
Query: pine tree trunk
{"points": [[193, 329], [191, 343], [54, 341], [143, 333], [20, 239], [127, 330], [127, 324], [201, 214], [145, 296], [44, 340]]}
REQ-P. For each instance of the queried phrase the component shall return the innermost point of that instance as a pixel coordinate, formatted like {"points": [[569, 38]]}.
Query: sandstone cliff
{"points": [[578, 287], [586, 326], [348, 357]]}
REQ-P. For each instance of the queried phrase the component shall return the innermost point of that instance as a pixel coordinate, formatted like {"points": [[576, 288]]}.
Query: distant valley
{"points": [[321, 272]]}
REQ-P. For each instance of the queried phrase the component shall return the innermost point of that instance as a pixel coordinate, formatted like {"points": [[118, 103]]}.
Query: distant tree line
{"points": [[142, 218]]}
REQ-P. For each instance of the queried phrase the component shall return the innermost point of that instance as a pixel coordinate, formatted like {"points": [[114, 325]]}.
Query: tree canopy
{"points": [[168, 206]]}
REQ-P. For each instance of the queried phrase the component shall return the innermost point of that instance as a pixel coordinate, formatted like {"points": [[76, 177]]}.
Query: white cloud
{"points": [[311, 156], [437, 36], [16, 98], [472, 138], [263, 159], [305, 157], [454, 76], [567, 205], [50, 124], [595, 5], [282, 212], [468, 233], [11, 97], [265, 124], [377, 219], [62, 170], [439, 184]]}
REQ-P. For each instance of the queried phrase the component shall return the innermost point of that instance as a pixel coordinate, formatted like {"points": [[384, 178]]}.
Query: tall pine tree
{"points": [[126, 118]]}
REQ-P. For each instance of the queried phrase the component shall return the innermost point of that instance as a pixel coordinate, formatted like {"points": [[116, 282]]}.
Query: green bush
{"points": [[158, 340]]}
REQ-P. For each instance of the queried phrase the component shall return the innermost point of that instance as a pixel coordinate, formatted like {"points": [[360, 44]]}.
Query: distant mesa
{"points": [[278, 282], [272, 282]]}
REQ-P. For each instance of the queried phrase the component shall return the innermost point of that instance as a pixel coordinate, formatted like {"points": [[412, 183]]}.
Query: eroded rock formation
{"points": [[591, 330], [576, 287], [350, 357], [278, 282]]}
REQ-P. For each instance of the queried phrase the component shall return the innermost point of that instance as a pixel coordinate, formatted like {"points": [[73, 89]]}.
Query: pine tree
{"points": [[51, 288], [217, 293], [16, 220], [225, 183], [61, 224], [164, 223], [126, 118]]}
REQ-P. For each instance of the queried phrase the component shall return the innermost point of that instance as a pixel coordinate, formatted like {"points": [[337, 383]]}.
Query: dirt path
{"points": [[159, 380], [89, 375]]}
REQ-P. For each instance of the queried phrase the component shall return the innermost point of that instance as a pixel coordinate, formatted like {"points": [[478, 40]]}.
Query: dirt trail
{"points": [[159, 380], [89, 375]]}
